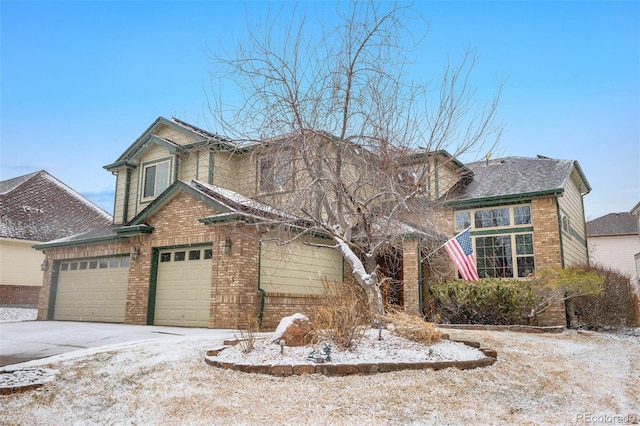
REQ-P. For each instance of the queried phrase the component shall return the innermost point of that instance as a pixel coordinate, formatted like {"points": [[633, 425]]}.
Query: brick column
{"points": [[410, 277]]}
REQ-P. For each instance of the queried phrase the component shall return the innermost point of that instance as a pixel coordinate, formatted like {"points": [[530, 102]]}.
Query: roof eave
{"points": [[502, 199]]}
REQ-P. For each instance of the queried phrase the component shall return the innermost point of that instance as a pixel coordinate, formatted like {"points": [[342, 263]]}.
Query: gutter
{"points": [[263, 293]]}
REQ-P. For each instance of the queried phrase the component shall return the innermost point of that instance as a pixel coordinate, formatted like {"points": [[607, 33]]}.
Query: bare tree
{"points": [[350, 138]]}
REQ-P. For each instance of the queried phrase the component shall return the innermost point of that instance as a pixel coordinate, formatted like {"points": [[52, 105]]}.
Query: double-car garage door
{"points": [[96, 289]]}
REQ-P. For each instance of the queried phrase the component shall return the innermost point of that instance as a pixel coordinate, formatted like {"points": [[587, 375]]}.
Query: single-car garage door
{"points": [[183, 287], [92, 289]]}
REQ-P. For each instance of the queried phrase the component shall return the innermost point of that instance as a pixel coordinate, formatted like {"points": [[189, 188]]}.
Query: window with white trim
{"points": [[503, 243], [275, 173], [155, 179]]}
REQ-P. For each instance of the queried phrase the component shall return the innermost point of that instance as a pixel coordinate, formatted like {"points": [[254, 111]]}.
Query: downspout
{"points": [[263, 293], [560, 233], [420, 304]]}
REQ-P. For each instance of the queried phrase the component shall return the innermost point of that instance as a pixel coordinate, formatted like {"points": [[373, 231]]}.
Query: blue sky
{"points": [[81, 80]]}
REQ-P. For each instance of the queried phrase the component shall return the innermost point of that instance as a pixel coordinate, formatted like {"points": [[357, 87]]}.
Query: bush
{"points": [[413, 327], [614, 308], [490, 301], [344, 317]]}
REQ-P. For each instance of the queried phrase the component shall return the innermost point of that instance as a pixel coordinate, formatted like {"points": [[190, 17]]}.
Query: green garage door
{"points": [[92, 290], [183, 287]]}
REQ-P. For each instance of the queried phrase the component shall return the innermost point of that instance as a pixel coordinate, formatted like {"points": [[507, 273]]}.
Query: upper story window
{"points": [[156, 179], [566, 224], [493, 218], [275, 173]]}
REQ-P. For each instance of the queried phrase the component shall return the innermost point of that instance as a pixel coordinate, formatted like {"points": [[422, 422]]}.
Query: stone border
{"points": [[518, 328], [330, 369]]}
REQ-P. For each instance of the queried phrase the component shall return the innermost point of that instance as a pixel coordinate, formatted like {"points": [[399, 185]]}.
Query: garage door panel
{"points": [[183, 287], [92, 290]]}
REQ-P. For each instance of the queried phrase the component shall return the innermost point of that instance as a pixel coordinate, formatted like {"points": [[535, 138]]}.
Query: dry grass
{"points": [[413, 327], [344, 317]]}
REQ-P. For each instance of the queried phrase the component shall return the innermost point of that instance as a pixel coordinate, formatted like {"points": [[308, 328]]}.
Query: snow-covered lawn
{"points": [[538, 379]]}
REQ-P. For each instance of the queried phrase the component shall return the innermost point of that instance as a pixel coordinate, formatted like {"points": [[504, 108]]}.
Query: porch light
{"points": [[44, 265], [135, 253], [225, 246]]}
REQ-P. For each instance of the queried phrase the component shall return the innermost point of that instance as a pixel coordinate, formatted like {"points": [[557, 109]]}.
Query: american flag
{"points": [[461, 252]]}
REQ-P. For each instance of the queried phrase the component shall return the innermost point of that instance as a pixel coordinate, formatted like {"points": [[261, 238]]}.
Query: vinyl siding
{"points": [[118, 211], [574, 245], [615, 252], [297, 268]]}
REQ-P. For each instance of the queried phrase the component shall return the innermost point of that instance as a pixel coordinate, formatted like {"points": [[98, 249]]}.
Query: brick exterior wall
{"points": [[546, 237], [235, 299], [176, 224], [410, 274], [548, 253], [19, 296]]}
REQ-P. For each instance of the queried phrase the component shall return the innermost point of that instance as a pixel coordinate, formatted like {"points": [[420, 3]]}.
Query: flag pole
{"points": [[438, 249]]}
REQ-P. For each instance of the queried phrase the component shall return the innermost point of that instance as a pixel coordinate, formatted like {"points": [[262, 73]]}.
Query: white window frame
{"points": [[276, 177], [158, 186]]}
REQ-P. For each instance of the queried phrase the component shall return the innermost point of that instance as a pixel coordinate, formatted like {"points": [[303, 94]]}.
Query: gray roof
{"points": [[38, 207], [516, 177], [613, 224]]}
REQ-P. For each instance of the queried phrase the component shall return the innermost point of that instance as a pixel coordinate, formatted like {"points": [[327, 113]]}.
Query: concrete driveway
{"points": [[33, 340]]}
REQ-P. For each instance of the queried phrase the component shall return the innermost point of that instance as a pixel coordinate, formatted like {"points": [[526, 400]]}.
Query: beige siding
{"points": [[297, 268], [152, 153], [19, 263], [236, 172], [615, 252], [574, 241], [175, 136], [121, 183], [188, 166]]}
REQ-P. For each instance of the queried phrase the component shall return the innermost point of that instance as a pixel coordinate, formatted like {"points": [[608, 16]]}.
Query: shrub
{"points": [[489, 301], [413, 327], [613, 308], [344, 317]]}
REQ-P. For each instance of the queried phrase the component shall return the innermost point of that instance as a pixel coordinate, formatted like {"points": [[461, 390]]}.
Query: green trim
{"points": [[263, 293], [419, 256], [176, 169], [135, 230], [53, 290], [153, 286], [502, 231], [88, 241], [127, 194], [222, 219], [211, 168], [197, 165], [437, 178], [501, 199]]}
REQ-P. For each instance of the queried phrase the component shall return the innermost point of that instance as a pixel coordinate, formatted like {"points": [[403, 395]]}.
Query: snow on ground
{"points": [[545, 379], [370, 349], [17, 314]]}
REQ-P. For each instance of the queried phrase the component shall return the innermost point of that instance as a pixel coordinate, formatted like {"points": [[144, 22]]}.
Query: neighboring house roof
{"points": [[516, 178], [613, 224], [39, 207]]}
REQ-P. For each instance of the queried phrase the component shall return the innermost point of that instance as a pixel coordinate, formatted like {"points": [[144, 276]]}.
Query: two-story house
{"points": [[190, 243]]}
